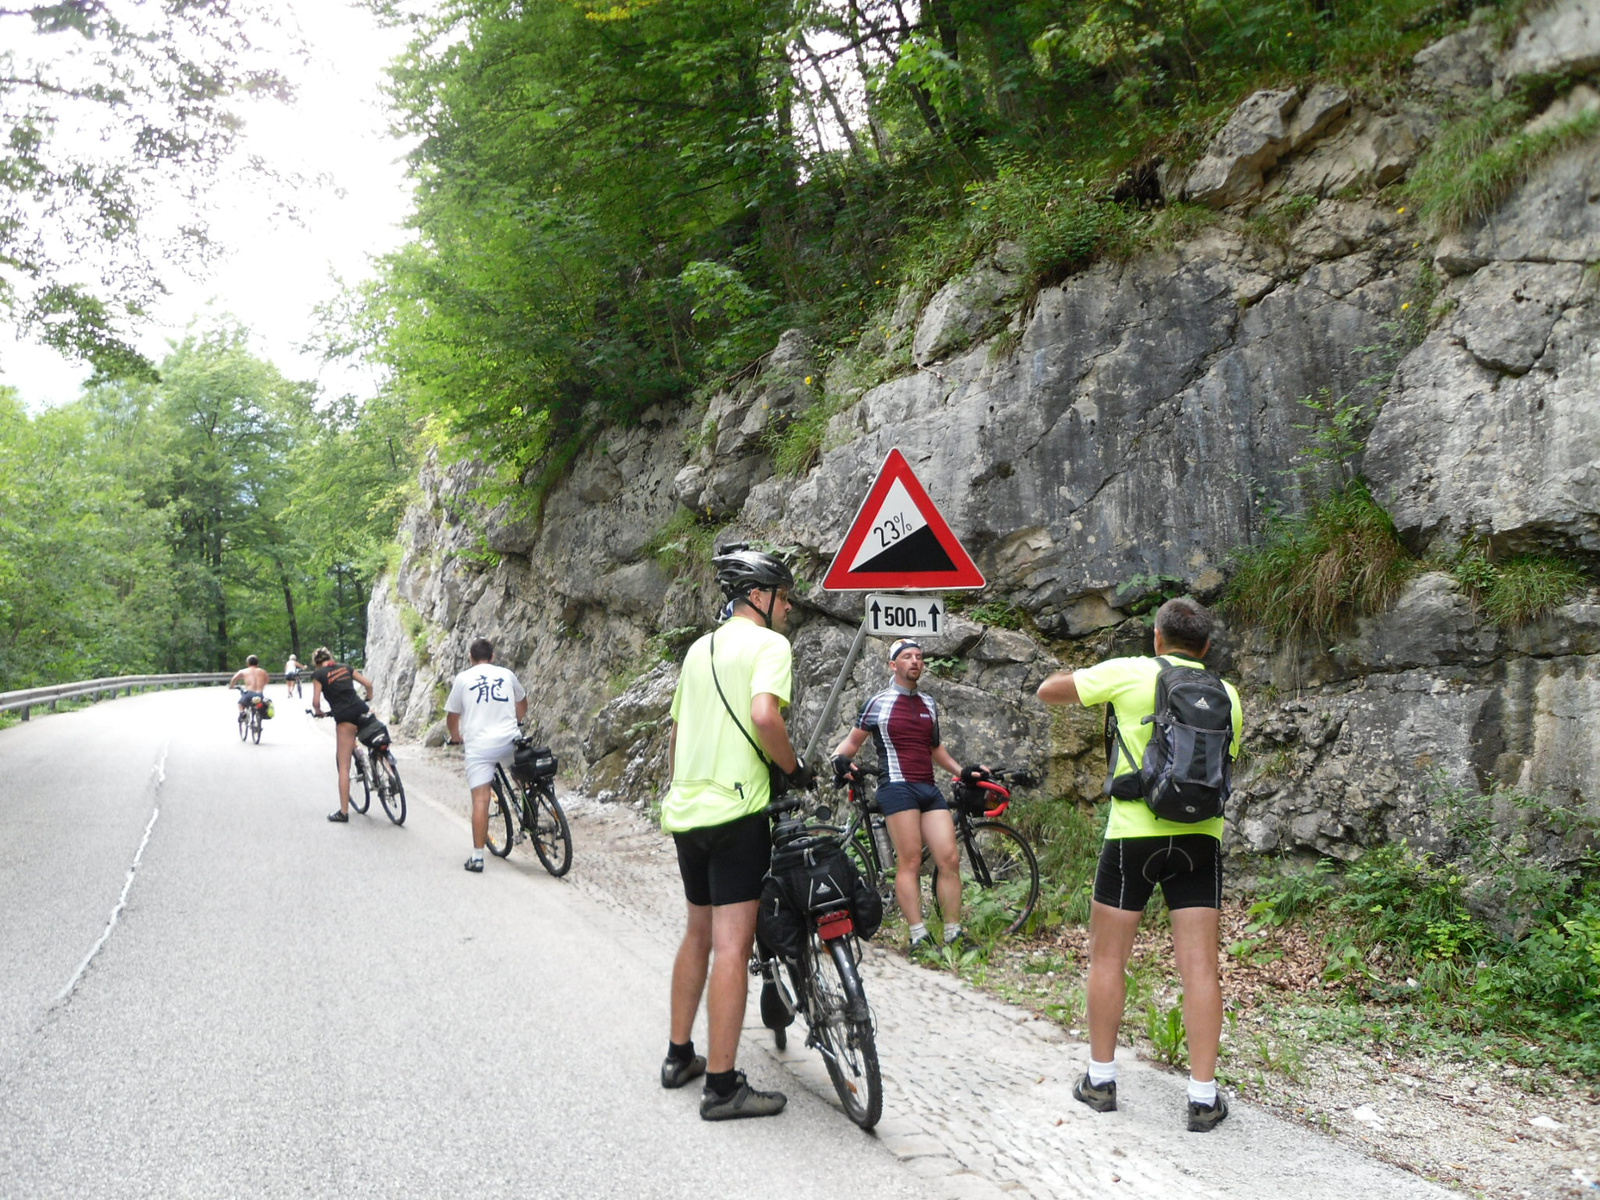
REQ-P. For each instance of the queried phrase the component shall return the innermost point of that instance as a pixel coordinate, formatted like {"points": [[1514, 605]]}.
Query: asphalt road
{"points": [[271, 1005]]}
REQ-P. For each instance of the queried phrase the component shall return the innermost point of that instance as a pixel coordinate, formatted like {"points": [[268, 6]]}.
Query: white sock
{"points": [[951, 933], [1203, 1093], [1101, 1073], [477, 853], [918, 931]]}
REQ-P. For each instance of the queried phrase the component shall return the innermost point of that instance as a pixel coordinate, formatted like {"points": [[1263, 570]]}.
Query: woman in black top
{"points": [[337, 683]]}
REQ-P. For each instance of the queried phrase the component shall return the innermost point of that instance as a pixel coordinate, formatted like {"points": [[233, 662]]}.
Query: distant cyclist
{"points": [[904, 724], [291, 676], [254, 678], [336, 683], [485, 705]]}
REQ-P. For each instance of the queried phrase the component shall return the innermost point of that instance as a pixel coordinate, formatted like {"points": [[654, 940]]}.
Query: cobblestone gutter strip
{"points": [[978, 1093]]}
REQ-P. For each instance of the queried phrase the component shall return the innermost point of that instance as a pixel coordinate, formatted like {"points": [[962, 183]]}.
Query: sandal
{"points": [[339, 817]]}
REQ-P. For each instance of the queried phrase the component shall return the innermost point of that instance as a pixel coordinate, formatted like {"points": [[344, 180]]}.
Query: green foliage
{"points": [[1046, 208], [1521, 984], [1481, 158], [668, 645], [1339, 560], [1168, 1038], [182, 525], [1520, 589], [103, 108], [683, 544], [618, 204]]}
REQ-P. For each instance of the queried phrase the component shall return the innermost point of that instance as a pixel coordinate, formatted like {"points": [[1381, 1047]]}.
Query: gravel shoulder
{"points": [[978, 1081]]}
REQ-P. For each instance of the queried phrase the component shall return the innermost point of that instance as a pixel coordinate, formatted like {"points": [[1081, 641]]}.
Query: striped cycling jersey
{"points": [[905, 727]]}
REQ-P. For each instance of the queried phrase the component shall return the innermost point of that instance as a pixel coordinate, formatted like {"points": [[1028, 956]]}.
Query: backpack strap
{"points": [[1115, 745], [1165, 665], [738, 724]]}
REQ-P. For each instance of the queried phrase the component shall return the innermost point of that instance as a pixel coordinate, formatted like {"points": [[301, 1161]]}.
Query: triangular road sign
{"points": [[899, 542]]}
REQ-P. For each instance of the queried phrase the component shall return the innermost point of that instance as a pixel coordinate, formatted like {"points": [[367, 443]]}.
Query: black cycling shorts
{"points": [[904, 796], [350, 715], [725, 864], [1188, 867]]}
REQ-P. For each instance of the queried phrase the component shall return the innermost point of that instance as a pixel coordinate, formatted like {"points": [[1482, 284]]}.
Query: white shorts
{"points": [[481, 761]]}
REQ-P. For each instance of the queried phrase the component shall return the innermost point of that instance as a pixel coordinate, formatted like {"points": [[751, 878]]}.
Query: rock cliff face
{"points": [[1123, 435]]}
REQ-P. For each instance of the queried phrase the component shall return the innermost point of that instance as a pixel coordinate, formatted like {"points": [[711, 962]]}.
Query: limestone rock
{"points": [[1514, 368], [1249, 145], [1559, 39], [1460, 63], [1368, 150], [968, 305], [1323, 105]]}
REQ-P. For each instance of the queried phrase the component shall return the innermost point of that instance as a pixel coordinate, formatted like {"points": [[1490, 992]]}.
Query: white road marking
{"points": [[160, 773]]}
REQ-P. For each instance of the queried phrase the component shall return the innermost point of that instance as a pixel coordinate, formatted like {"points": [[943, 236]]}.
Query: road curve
{"points": [[209, 990]]}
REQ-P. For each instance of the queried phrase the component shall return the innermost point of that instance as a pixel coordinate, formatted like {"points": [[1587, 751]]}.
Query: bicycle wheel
{"points": [[999, 880], [390, 790], [552, 837], [500, 821], [841, 1026], [255, 727], [244, 725], [360, 781]]}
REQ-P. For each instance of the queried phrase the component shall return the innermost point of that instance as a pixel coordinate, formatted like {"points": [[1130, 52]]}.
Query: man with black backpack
{"points": [[1172, 730], [727, 746]]}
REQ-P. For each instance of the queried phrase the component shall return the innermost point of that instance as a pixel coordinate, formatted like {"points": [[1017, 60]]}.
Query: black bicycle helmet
{"points": [[740, 570]]}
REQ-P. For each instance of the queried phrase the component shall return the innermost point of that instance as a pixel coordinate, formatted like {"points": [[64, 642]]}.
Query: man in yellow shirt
{"points": [[1140, 851], [735, 684]]}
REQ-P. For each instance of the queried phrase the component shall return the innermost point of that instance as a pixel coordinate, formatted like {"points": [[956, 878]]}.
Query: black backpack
{"points": [[1187, 772]]}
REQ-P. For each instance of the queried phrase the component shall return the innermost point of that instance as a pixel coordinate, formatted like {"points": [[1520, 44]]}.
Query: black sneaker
{"points": [[675, 1072], [744, 1102], [1102, 1097], [475, 865], [1203, 1118], [339, 818], [922, 948]]}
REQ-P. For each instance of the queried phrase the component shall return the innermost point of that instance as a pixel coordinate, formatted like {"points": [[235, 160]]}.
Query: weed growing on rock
{"points": [[1519, 590], [1480, 159], [682, 544], [1339, 560]]}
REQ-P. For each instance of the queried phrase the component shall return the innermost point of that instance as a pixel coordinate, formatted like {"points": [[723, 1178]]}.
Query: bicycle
{"points": [[373, 765], [824, 984], [999, 872], [529, 792], [250, 719]]}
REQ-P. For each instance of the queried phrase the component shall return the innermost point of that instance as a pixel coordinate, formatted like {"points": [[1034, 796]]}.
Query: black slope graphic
{"points": [[920, 551]]}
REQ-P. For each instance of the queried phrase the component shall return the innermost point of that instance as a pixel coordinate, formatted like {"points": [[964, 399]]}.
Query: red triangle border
{"points": [[841, 579]]}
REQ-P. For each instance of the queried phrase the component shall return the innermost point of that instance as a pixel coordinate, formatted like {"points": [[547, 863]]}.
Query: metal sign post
{"points": [[833, 696]]}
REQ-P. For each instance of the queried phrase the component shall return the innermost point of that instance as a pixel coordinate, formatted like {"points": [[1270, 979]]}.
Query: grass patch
{"points": [[1480, 159], [1313, 572], [683, 544], [1519, 590]]}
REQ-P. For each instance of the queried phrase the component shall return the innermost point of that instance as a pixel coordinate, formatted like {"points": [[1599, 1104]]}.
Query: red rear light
{"points": [[834, 925]]}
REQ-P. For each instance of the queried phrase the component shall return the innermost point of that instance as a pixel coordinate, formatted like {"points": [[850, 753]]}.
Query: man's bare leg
{"points": [[689, 971], [733, 932]]}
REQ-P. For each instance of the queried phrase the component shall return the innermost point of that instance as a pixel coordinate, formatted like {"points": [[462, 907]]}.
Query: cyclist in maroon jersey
{"points": [[903, 723]]}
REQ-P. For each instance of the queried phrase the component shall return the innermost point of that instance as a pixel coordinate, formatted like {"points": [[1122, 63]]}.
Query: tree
{"points": [[104, 106]]}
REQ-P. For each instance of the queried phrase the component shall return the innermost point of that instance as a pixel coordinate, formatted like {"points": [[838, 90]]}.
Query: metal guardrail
{"points": [[30, 698]]}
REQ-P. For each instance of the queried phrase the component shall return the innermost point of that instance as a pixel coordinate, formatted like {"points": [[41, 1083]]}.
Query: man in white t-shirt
{"points": [[485, 706]]}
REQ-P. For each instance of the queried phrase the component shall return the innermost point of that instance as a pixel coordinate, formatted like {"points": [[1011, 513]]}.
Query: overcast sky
{"points": [[272, 273]]}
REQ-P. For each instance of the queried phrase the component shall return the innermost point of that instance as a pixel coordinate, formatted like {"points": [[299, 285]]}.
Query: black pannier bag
{"points": [[807, 881], [374, 734], [533, 764]]}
